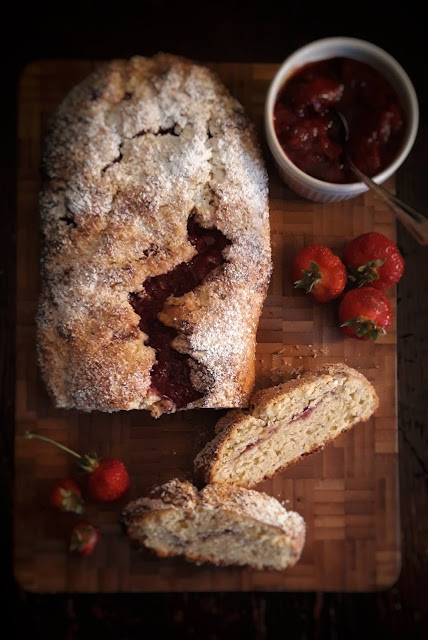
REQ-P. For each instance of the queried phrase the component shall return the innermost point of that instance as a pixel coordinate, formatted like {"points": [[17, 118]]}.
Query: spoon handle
{"points": [[414, 221]]}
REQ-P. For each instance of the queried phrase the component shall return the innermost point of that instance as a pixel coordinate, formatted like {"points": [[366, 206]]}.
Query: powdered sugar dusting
{"points": [[132, 151], [255, 504]]}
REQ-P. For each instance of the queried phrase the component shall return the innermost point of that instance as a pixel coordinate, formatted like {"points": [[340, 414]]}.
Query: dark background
{"points": [[233, 32]]}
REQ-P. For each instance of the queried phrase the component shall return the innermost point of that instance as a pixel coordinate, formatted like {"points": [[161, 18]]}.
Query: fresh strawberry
{"points": [[66, 496], [318, 271], [373, 260], [108, 479], [83, 538], [364, 313]]}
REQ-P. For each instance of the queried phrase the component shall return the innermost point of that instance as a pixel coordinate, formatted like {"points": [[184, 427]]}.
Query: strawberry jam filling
{"points": [[308, 130], [171, 372]]}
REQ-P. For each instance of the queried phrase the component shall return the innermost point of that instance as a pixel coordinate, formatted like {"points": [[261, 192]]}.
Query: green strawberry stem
{"points": [[364, 327], [30, 436], [71, 501], [310, 278], [365, 273], [88, 462], [82, 535]]}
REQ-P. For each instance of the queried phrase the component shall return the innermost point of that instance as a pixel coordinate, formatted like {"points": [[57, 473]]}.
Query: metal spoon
{"points": [[414, 221]]}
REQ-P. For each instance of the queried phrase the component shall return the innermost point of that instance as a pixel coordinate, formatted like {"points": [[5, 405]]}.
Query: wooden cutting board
{"points": [[348, 493]]}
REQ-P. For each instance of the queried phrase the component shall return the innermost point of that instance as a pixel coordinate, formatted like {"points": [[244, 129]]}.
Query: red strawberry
{"points": [[108, 479], [66, 496], [320, 272], [373, 260], [364, 313], [83, 538]]}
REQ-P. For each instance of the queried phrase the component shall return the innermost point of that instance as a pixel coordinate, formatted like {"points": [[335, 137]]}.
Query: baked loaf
{"points": [[285, 423], [222, 525], [156, 247]]}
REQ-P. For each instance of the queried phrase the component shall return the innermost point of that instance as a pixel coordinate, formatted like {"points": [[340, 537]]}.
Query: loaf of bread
{"points": [[222, 525], [285, 423], [156, 247]]}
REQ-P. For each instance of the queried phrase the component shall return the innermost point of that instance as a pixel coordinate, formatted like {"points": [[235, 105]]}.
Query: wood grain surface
{"points": [[348, 493]]}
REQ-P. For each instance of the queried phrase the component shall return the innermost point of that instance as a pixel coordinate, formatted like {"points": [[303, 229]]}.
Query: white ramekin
{"points": [[297, 180]]}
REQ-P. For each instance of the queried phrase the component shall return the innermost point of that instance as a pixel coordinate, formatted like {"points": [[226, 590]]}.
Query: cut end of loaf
{"points": [[220, 525], [285, 423]]}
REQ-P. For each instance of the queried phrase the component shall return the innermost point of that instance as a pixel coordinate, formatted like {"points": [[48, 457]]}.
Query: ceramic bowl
{"points": [[363, 51]]}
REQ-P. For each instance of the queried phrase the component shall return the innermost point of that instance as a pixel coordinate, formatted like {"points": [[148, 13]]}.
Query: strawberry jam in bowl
{"points": [[303, 130], [306, 123]]}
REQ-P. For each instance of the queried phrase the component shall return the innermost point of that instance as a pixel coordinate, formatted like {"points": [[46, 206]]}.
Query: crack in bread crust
{"points": [[171, 373], [130, 152]]}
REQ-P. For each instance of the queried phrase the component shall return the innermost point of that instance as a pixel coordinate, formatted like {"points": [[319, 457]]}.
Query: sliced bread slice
{"points": [[285, 423], [223, 525]]}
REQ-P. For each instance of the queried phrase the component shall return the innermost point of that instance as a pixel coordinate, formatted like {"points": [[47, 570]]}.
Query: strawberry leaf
{"points": [[310, 278], [365, 273], [364, 328], [89, 462], [71, 501], [82, 538]]}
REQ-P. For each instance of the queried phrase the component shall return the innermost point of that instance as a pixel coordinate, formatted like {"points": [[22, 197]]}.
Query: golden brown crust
{"points": [[210, 459], [172, 494], [131, 153], [261, 399]]}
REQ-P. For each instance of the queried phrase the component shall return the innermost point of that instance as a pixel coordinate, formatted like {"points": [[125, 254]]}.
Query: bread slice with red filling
{"points": [[220, 524], [285, 423]]}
